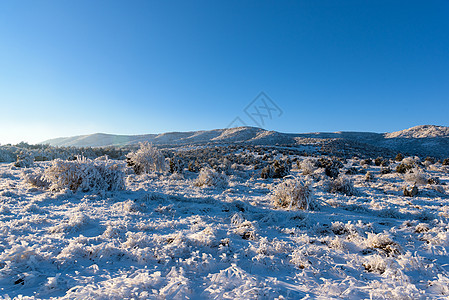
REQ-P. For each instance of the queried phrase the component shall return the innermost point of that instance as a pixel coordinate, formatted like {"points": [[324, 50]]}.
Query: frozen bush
{"points": [[403, 168], [411, 161], [224, 167], [293, 193], [378, 161], [193, 166], [278, 169], [36, 179], [412, 192], [342, 185], [6, 156], [430, 159], [85, 175], [369, 176], [24, 160], [146, 160], [210, 177], [367, 162], [176, 165], [399, 157], [416, 176], [375, 263], [352, 171], [385, 170], [427, 163], [446, 162], [382, 242], [307, 166], [331, 167], [433, 180]]}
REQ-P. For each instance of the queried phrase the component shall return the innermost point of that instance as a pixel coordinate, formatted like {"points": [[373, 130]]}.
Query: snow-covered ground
{"points": [[165, 237]]}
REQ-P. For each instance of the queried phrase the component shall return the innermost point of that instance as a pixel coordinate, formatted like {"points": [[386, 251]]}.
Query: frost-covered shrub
{"points": [[307, 166], [6, 156], [383, 242], [433, 180], [376, 264], [331, 167], [430, 159], [193, 166], [224, 166], [411, 161], [175, 165], [352, 171], [36, 179], [403, 168], [342, 185], [84, 175], [399, 157], [278, 169], [210, 177], [412, 192], [385, 170], [24, 160], [446, 162], [416, 176], [146, 160], [367, 162], [293, 193], [378, 161], [369, 176]]}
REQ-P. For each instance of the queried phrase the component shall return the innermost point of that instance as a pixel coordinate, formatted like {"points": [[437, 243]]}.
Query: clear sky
{"points": [[134, 67]]}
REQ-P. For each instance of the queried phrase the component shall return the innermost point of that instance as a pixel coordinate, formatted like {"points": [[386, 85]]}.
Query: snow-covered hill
{"points": [[420, 132], [425, 140], [229, 135]]}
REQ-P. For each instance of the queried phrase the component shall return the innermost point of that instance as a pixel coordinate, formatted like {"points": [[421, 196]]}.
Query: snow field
{"points": [[166, 236]]}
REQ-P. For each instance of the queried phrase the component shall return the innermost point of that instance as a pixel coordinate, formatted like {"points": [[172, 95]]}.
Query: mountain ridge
{"points": [[419, 140]]}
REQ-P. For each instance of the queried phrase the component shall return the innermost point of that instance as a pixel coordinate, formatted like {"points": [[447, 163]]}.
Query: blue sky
{"points": [[133, 67]]}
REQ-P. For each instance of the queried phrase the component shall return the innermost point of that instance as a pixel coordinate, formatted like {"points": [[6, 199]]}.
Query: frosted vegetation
{"points": [[210, 222]]}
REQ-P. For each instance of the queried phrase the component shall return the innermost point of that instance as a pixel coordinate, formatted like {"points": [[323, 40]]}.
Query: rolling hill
{"points": [[420, 140]]}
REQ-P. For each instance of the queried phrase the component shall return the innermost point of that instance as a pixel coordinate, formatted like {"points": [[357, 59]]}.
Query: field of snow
{"points": [[172, 236]]}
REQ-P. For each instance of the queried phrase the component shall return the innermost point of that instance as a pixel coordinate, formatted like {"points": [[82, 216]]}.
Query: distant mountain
{"points": [[419, 132], [421, 140], [224, 136]]}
